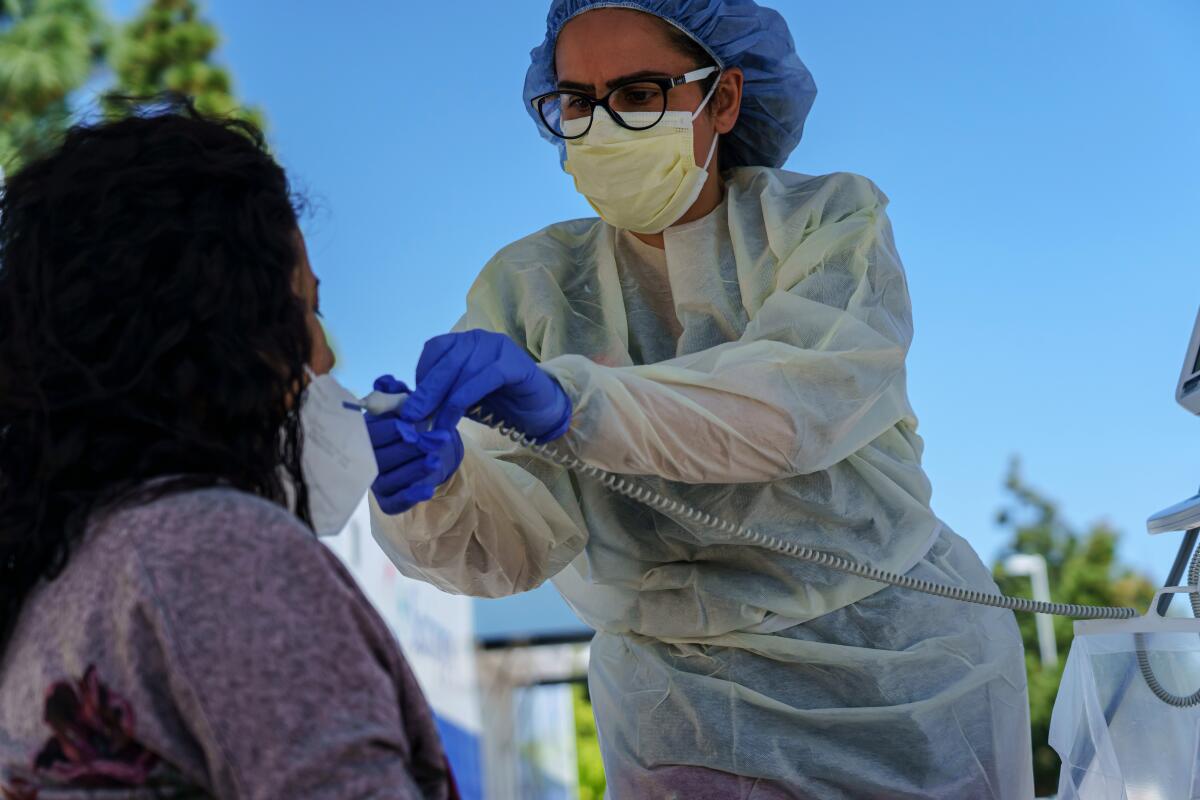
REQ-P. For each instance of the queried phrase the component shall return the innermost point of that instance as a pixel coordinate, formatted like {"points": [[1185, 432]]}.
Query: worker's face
{"points": [[308, 287], [601, 48]]}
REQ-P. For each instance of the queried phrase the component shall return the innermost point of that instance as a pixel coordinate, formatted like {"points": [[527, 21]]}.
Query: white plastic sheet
{"points": [[1117, 740]]}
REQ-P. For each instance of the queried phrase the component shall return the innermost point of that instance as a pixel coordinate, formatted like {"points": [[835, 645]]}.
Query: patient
{"points": [[169, 624]]}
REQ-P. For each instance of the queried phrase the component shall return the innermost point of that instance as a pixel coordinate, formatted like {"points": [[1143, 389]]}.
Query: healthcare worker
{"points": [[734, 336]]}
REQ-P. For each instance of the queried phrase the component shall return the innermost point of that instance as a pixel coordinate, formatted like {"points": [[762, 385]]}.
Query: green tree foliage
{"points": [[49, 49], [1083, 569], [55, 53], [169, 48], [587, 747]]}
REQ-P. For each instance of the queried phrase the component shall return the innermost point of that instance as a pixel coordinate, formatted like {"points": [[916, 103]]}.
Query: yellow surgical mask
{"points": [[640, 181]]}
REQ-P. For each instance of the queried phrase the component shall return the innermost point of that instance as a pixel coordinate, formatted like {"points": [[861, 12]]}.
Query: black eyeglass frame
{"points": [[664, 83]]}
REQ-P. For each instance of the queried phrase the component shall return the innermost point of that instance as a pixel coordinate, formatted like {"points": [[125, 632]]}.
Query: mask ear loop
{"points": [[711, 152], [708, 97], [312, 381], [716, 136]]}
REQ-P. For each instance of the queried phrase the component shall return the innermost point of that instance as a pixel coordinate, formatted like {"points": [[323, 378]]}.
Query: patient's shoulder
{"points": [[197, 520], [219, 534]]}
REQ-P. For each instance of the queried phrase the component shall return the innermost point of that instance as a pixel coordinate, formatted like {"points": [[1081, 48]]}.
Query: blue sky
{"points": [[1041, 159]]}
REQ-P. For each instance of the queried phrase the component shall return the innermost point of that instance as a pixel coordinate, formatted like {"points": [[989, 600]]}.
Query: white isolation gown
{"points": [[755, 369]]}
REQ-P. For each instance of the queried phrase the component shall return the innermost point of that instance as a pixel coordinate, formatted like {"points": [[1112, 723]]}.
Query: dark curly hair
{"points": [[152, 338]]}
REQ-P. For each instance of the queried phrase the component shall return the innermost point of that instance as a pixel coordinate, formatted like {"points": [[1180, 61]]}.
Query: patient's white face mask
{"points": [[338, 461]]}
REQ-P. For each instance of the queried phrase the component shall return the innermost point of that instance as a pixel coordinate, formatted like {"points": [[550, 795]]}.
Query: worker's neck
{"points": [[710, 197]]}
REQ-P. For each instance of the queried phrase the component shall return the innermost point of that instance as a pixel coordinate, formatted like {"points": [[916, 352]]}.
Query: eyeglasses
{"points": [[638, 105]]}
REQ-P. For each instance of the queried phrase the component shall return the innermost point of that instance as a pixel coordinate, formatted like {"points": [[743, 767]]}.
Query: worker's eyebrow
{"points": [[588, 88], [572, 86]]}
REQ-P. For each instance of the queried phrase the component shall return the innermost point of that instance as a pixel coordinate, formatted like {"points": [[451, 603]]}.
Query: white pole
{"points": [[1035, 567]]}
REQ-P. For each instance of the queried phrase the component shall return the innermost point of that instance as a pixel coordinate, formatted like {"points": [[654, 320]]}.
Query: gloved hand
{"points": [[412, 463], [458, 371]]}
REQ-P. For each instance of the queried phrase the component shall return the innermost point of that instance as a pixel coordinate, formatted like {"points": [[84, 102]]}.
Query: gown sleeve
{"points": [[817, 374], [504, 523]]}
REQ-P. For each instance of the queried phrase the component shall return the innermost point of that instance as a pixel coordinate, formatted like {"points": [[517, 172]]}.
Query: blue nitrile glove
{"points": [[412, 464], [458, 371]]}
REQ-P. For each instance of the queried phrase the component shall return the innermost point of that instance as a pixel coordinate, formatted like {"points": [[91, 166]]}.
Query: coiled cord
{"points": [[629, 488], [1143, 657]]}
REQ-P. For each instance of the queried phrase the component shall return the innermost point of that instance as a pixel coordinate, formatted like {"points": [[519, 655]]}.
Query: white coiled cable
{"points": [[629, 488]]}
